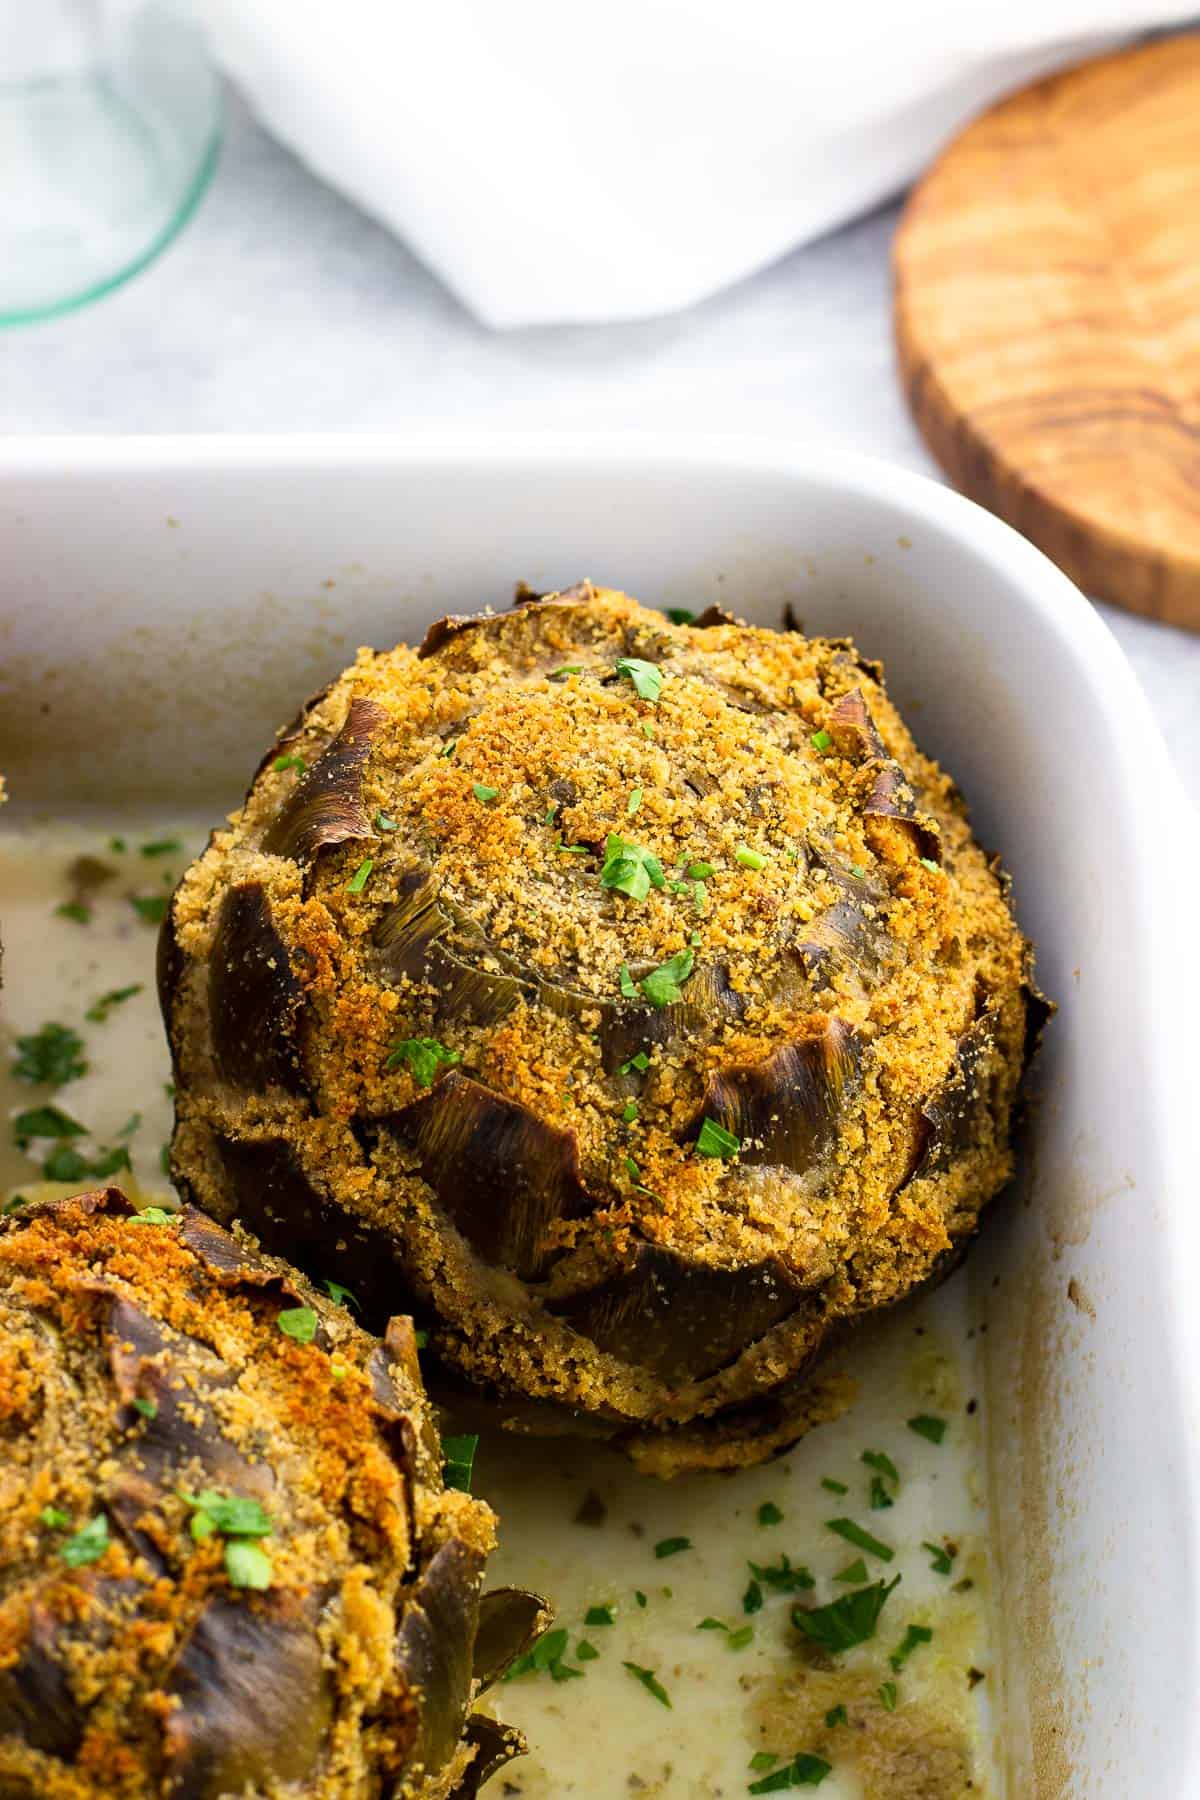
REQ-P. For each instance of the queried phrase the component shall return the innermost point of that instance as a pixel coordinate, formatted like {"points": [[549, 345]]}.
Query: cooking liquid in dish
{"points": [[578, 1524]]}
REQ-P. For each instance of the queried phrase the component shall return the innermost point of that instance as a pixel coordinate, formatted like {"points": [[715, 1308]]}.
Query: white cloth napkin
{"points": [[561, 162]]}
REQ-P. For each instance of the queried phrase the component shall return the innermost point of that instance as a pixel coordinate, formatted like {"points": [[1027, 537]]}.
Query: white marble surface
{"points": [[283, 308]]}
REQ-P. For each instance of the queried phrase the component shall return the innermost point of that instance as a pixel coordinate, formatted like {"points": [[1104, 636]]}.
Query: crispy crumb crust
{"points": [[140, 1362], [856, 1013]]}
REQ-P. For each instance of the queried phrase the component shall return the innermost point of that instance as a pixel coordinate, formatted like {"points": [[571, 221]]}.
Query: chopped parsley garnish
{"points": [[927, 862], [639, 1596], [88, 1544], [548, 815], [629, 986], [423, 1057], [46, 1122], [887, 1696], [640, 1061], [485, 795], [646, 677], [737, 1640], [926, 1425], [714, 1140], [161, 847], [76, 910], [628, 869], [837, 1715], [585, 1652], [451, 747], [12, 1206], [671, 1546], [600, 1615], [914, 1637], [629, 1112], [567, 669], [858, 871], [459, 1462], [247, 1565], [420, 1338], [752, 1599], [65, 1163], [54, 1518], [147, 1408], [293, 760], [99, 1010], [711, 1624], [804, 1770], [164, 1158], [680, 615], [341, 1296], [749, 859], [943, 1558], [875, 1459], [853, 1572], [862, 1540], [383, 823], [361, 876], [545, 1657], [153, 1215], [130, 1126], [299, 1322], [820, 740], [150, 908], [835, 1487], [781, 1577], [880, 1497], [763, 1759], [649, 1681], [699, 871], [51, 1055], [634, 801], [847, 1621], [232, 1515], [662, 986], [117, 845], [769, 1514]]}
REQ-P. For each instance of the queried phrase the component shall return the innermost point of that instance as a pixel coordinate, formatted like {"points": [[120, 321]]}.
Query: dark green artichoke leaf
{"points": [[965, 1111], [500, 1173], [891, 795], [510, 1620], [433, 1648], [785, 1109], [37, 1702], [451, 626], [581, 592], [684, 1320], [254, 1699], [254, 997], [325, 807], [271, 1194], [494, 1745]]}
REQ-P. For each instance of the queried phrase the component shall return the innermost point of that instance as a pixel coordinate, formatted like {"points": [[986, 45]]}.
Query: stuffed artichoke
{"points": [[630, 997], [231, 1567]]}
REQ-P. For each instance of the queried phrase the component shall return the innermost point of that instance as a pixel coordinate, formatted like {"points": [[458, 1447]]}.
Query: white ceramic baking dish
{"points": [[163, 602]]}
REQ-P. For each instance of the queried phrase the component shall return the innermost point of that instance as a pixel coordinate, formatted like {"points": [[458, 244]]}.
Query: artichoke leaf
{"points": [[325, 807], [254, 997], [253, 1699], [501, 1174], [682, 1319], [785, 1109], [433, 1648], [510, 1620]]}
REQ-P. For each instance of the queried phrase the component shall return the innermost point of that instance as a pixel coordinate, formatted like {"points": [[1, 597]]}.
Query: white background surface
{"points": [[283, 308]]}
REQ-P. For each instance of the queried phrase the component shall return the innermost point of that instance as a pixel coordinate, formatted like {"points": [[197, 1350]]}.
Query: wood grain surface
{"points": [[1047, 315]]}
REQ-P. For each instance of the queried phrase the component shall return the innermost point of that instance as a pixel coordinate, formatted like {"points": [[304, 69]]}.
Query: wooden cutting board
{"points": [[1047, 314]]}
